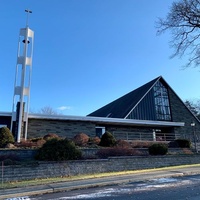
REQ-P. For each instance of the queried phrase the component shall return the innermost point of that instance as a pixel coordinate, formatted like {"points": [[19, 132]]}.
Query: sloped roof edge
{"points": [[119, 108], [6, 114], [106, 120]]}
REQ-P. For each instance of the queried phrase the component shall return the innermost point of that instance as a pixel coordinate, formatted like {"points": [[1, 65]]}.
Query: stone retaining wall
{"points": [[29, 154], [87, 153], [19, 154], [71, 168]]}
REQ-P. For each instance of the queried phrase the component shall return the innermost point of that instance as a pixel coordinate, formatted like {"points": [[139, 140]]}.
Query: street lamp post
{"points": [[194, 136]]}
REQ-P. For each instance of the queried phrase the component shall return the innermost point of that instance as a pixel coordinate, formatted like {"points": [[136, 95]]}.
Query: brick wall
{"points": [[70, 168]]}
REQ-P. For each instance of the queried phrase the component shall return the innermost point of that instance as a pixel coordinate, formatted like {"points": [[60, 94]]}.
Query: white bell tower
{"points": [[21, 95]]}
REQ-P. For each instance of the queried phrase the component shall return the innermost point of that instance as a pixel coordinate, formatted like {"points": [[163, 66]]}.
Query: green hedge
{"points": [[5, 136], [158, 149], [58, 150], [107, 140], [183, 143]]}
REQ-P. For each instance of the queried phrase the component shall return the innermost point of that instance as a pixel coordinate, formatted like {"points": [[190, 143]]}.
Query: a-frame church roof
{"points": [[125, 104]]}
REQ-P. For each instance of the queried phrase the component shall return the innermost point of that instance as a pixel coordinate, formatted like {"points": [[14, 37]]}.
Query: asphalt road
{"points": [[178, 188]]}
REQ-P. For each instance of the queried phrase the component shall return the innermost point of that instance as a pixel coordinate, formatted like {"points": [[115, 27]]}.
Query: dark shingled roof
{"points": [[122, 106]]}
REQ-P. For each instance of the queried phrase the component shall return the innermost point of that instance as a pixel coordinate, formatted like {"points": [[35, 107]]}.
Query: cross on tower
{"points": [[28, 11]]}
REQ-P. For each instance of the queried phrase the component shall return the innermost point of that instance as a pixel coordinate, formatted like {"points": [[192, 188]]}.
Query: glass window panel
{"points": [[161, 102]]}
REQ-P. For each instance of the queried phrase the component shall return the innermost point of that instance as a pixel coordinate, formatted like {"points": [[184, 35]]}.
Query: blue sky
{"points": [[88, 53]]}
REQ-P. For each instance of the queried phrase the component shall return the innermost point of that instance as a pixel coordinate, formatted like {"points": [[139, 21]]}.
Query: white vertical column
{"points": [[154, 135], [21, 96]]}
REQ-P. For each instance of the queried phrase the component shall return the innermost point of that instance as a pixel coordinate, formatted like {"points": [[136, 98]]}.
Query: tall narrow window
{"points": [[161, 102]]}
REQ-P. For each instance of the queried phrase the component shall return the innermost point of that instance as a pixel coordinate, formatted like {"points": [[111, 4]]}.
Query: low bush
{"points": [[50, 136], [81, 139], [107, 140], [30, 143], [117, 151], [38, 141], [5, 137], [141, 144], [158, 149], [123, 144], [187, 151], [183, 143], [58, 150], [96, 140], [173, 144], [25, 144]]}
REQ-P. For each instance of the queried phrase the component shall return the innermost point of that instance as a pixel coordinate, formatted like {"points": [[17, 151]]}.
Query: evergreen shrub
{"points": [[158, 149], [107, 140], [5, 137], [58, 150], [173, 144], [183, 143]]}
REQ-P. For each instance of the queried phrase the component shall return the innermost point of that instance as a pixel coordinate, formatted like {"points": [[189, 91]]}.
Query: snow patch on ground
{"points": [[161, 183], [100, 193], [19, 198], [165, 180]]}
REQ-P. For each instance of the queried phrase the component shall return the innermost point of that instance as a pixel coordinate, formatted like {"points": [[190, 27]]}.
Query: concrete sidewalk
{"points": [[143, 175]]}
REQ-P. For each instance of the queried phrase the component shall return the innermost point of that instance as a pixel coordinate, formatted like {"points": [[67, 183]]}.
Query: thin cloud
{"points": [[64, 108]]}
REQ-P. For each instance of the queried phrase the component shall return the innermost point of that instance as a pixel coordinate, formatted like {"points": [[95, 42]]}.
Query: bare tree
{"points": [[183, 22], [47, 110], [194, 106]]}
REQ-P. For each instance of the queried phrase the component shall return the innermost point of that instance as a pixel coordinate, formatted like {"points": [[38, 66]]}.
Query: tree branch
{"points": [[183, 22]]}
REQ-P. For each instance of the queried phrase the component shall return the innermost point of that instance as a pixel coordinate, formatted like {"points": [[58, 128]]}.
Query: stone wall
{"points": [[18, 154], [181, 114], [29, 154], [87, 153], [71, 168], [67, 128], [41, 127]]}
